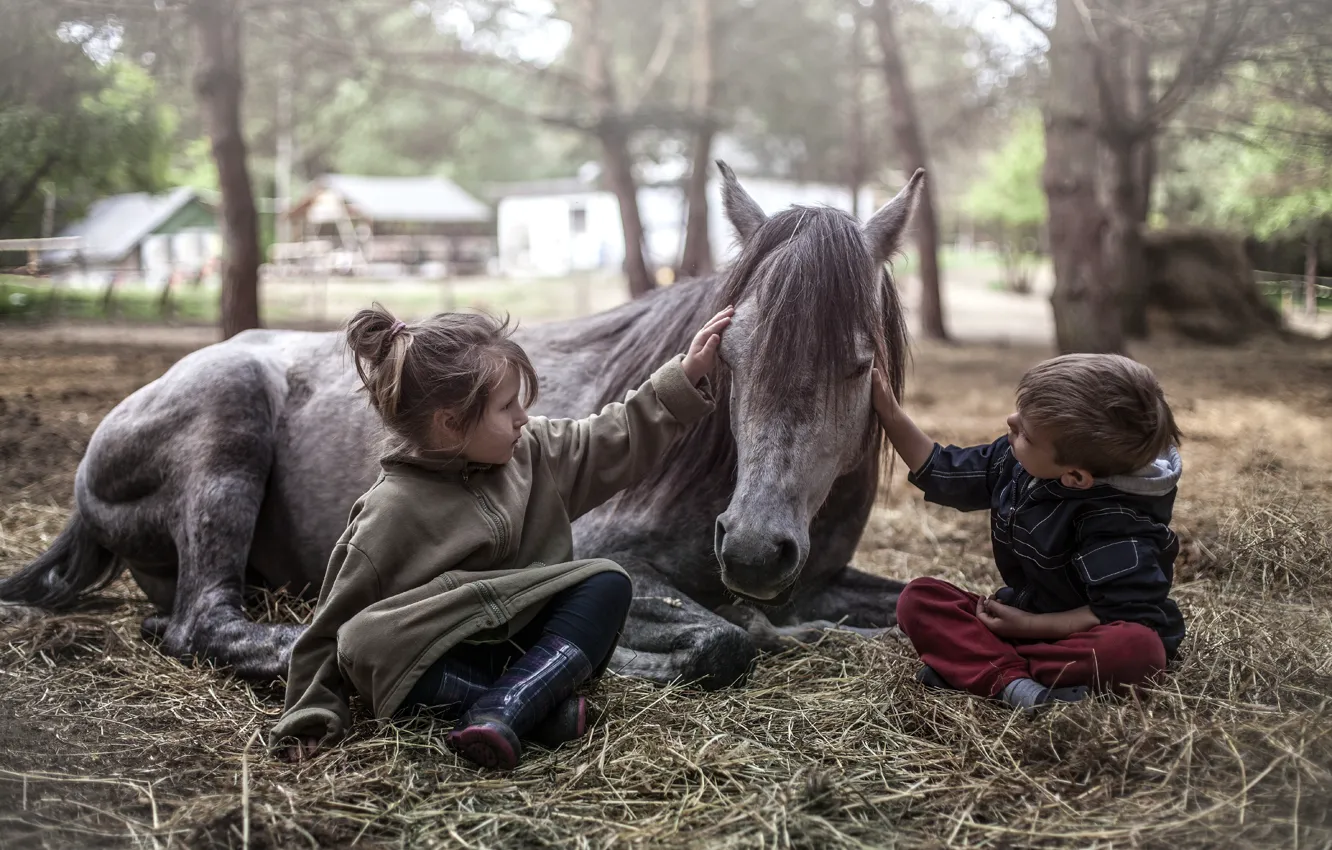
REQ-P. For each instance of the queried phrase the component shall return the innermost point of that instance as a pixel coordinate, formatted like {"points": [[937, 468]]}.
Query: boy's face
{"points": [[1035, 451]]}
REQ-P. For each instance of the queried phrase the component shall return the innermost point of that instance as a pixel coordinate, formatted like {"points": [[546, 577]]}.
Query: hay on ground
{"points": [[106, 742]]}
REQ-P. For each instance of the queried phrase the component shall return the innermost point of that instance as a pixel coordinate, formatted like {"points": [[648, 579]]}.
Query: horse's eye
{"points": [[861, 370]]}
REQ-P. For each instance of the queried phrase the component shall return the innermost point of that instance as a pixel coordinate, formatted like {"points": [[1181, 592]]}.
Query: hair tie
{"points": [[396, 329]]}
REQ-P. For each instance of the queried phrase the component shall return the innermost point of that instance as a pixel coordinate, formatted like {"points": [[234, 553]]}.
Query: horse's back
{"points": [[220, 416], [217, 387]]}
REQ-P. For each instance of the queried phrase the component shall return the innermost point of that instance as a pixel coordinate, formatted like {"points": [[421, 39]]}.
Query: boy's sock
{"points": [[1029, 693]]}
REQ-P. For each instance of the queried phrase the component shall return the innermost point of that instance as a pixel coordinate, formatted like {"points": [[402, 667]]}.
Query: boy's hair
{"points": [[1102, 412], [447, 362]]}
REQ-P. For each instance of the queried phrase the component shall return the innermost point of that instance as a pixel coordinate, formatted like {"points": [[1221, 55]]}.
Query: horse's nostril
{"points": [[787, 553]]}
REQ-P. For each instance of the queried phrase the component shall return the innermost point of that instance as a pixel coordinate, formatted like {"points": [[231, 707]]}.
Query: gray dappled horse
{"points": [[240, 464]]}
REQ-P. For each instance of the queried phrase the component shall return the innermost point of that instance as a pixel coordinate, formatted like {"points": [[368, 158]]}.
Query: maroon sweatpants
{"points": [[941, 622]]}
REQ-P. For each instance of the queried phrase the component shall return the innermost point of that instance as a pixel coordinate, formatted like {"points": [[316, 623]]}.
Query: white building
{"points": [[555, 227], [143, 238]]}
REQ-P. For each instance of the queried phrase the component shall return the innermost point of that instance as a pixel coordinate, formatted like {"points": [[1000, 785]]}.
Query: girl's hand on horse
{"points": [[302, 751], [702, 354]]}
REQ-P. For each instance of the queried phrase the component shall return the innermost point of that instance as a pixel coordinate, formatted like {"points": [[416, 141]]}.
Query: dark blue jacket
{"points": [[1109, 547]]}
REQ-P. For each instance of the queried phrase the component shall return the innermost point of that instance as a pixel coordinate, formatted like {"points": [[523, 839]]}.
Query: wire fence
{"points": [[309, 302], [1290, 292]]}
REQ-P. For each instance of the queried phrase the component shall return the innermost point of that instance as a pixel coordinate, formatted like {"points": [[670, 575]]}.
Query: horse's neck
{"points": [[644, 317], [638, 337]]}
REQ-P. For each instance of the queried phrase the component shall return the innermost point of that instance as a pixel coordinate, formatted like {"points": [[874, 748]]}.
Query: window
{"points": [[577, 219]]}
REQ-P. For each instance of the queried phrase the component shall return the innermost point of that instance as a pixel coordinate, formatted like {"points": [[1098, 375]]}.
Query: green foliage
{"points": [[1268, 176], [71, 126], [126, 145], [1010, 195], [1009, 200], [192, 165], [1274, 184], [419, 132], [375, 87]]}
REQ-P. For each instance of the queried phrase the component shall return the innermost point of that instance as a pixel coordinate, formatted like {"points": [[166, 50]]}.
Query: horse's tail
{"points": [[75, 564]]}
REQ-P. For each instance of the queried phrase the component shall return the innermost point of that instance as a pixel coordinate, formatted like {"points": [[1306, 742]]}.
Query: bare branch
{"points": [[469, 95], [1205, 59], [454, 57], [661, 57], [1025, 14], [1186, 75]]}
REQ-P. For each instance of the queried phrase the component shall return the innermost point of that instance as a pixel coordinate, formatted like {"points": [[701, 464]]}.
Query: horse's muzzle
{"points": [[758, 563]]}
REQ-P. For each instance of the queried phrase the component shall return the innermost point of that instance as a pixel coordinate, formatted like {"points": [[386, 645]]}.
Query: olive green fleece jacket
{"points": [[441, 551]]}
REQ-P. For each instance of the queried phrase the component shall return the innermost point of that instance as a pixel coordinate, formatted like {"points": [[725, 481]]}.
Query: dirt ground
{"points": [[103, 742]]}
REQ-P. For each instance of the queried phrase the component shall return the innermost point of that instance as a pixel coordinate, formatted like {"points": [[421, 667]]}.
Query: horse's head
{"points": [[815, 309]]}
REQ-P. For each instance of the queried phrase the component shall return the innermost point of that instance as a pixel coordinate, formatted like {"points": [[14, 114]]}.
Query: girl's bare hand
{"points": [[302, 751], [702, 354]]}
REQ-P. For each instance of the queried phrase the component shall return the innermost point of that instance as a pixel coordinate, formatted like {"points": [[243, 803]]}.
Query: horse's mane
{"points": [[815, 284]]}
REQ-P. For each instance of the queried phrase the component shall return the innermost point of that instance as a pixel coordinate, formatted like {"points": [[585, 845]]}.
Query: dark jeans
{"points": [[589, 615]]}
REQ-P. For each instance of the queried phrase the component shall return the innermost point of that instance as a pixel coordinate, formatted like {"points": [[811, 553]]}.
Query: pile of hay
{"points": [[827, 747], [1201, 283]]}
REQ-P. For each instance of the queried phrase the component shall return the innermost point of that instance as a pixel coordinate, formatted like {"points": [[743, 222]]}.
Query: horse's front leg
{"points": [[852, 601], [671, 638]]}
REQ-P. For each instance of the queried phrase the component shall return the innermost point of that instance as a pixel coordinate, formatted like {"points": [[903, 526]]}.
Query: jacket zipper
{"points": [[496, 519], [1018, 502]]}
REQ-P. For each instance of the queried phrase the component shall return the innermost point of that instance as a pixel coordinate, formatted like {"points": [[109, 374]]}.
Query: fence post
{"points": [[448, 297], [583, 295]]}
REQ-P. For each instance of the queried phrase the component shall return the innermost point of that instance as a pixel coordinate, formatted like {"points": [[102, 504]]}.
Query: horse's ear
{"points": [[886, 229], [745, 215]]}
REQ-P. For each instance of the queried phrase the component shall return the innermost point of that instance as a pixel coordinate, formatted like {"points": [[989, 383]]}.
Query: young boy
{"points": [[1080, 492]]}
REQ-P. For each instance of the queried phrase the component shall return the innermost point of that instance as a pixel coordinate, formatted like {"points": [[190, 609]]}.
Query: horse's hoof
{"points": [[154, 628], [736, 615], [487, 744]]}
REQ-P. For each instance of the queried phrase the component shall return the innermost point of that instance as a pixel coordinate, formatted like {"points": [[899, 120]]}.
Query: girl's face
{"points": [[493, 438]]}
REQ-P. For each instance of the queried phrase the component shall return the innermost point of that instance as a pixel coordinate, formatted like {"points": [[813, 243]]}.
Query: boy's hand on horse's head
{"points": [[911, 444], [702, 354], [885, 403]]}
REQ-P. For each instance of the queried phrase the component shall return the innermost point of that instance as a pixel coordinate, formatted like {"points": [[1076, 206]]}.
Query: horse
{"points": [[239, 465]]}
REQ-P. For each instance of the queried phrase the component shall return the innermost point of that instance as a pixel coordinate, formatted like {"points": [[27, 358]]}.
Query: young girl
{"points": [[454, 585]]}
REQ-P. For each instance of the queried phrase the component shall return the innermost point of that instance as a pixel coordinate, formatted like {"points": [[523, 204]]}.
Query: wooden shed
{"points": [[386, 226]]}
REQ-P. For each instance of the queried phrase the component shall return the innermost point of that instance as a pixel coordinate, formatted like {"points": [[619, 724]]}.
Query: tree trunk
{"points": [[285, 154], [1086, 307], [1135, 165], [25, 193], [620, 174], [218, 85], [613, 135], [906, 127], [856, 165], [1127, 259], [1311, 271], [697, 258]]}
